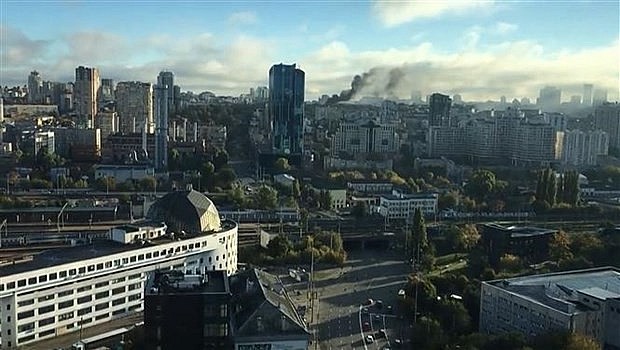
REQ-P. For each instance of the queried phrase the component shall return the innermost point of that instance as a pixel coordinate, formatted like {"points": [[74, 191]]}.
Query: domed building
{"points": [[186, 211]]}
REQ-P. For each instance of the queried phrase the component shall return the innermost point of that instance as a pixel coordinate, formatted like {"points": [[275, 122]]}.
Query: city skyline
{"points": [[480, 50]]}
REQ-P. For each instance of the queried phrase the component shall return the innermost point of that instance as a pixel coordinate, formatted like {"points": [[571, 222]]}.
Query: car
{"points": [[379, 304], [369, 302], [366, 326], [389, 309], [364, 310], [370, 339], [401, 293], [398, 342], [377, 317], [381, 333]]}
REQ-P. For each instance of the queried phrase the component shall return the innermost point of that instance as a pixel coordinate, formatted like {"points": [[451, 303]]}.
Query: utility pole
{"points": [[6, 230], [60, 216]]}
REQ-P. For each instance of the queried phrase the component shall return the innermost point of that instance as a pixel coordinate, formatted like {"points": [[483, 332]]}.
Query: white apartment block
{"points": [[403, 206], [134, 105], [582, 301], [360, 138], [583, 147], [44, 141], [63, 290]]}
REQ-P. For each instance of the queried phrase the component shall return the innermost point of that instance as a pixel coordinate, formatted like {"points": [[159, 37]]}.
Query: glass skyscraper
{"points": [[286, 108]]}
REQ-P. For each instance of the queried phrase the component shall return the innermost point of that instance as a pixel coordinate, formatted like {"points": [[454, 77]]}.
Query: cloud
{"points": [[242, 18], [502, 28], [393, 13]]}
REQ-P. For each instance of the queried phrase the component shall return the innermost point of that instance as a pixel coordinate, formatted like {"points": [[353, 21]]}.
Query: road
{"points": [[342, 322]]}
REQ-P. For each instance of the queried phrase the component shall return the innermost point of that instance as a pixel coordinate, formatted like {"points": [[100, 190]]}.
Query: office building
{"points": [[582, 148], [160, 160], [586, 302], [107, 122], [187, 311], [128, 148], [607, 118], [286, 109], [35, 84], [439, 110], [106, 93], [549, 98], [358, 139], [44, 142], [134, 105], [165, 80], [78, 144], [64, 290], [599, 97], [529, 243], [85, 90], [399, 206], [587, 94]]}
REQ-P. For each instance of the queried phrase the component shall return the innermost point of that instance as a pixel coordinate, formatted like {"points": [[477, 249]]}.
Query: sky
{"points": [[478, 49]]}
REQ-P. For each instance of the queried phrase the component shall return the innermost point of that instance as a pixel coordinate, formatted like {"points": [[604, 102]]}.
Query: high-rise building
{"points": [[107, 91], [161, 127], [85, 92], [107, 122], [607, 118], [134, 104], [599, 97], [439, 110], [35, 84], [549, 98], [587, 94], [165, 80], [584, 147], [457, 98], [361, 138], [286, 108]]}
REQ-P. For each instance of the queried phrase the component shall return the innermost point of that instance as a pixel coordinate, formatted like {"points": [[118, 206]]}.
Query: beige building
{"points": [[85, 90], [107, 122], [361, 138], [134, 105]]}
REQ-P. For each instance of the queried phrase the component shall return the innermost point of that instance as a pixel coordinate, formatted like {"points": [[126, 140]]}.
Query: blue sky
{"points": [[480, 49]]}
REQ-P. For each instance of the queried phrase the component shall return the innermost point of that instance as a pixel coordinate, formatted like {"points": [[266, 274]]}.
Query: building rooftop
{"points": [[521, 231], [559, 290], [176, 282], [395, 197], [96, 249], [187, 210]]}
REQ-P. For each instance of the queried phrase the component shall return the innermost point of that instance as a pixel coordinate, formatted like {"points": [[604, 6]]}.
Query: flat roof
{"points": [[96, 249], [556, 289], [521, 231], [409, 196], [175, 282]]}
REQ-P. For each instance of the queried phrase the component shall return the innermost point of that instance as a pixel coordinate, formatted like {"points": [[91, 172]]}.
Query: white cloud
{"points": [[503, 28], [243, 18], [393, 13]]}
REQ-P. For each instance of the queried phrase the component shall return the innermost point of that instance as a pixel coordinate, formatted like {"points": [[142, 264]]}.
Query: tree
{"points": [[463, 238], [296, 190], [360, 209], [279, 246], [225, 177], [419, 237], [281, 164], [559, 247], [149, 183], [238, 197], [428, 334], [480, 184], [325, 199], [266, 197], [587, 245], [220, 159], [510, 262], [448, 200]]}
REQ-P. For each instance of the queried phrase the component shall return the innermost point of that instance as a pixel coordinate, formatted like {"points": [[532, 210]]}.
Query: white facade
{"points": [[403, 206], [122, 173], [273, 345], [44, 140], [47, 301], [584, 147]]}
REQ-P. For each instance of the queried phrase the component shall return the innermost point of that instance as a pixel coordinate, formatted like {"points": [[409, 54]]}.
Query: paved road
{"points": [[342, 322]]}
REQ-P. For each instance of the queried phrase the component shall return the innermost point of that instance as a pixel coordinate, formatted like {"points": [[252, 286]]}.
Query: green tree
{"points": [[480, 184], [279, 246], [238, 197], [221, 159], [448, 200], [428, 334], [419, 237], [296, 190], [325, 199], [225, 177], [281, 164], [360, 209], [463, 238], [266, 197]]}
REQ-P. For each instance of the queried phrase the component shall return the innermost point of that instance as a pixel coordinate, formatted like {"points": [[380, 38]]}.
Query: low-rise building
{"points": [[583, 301], [399, 206], [529, 243], [370, 186], [122, 173]]}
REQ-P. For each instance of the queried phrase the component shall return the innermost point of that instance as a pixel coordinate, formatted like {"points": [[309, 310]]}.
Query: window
{"points": [[108, 264], [134, 297], [99, 266], [101, 295], [84, 299], [72, 272], [85, 288], [134, 286], [46, 321], [32, 280], [25, 314], [118, 290], [10, 285], [25, 327], [118, 280], [21, 283], [101, 284], [84, 311], [125, 261], [46, 309], [118, 301], [133, 277], [65, 293], [82, 270], [155, 254], [47, 332], [25, 339], [118, 312], [53, 276], [102, 316], [148, 255], [42, 278], [133, 259], [25, 302], [140, 257], [45, 298], [102, 306], [65, 304], [62, 274]]}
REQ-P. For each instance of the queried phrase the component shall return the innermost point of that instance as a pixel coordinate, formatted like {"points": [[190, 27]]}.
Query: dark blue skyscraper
{"points": [[286, 109]]}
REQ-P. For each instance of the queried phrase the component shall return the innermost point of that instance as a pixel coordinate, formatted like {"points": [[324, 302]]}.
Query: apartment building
{"points": [[402, 206]]}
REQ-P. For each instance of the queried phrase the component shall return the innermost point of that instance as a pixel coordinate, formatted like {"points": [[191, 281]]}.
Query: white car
{"points": [[370, 339], [401, 293]]}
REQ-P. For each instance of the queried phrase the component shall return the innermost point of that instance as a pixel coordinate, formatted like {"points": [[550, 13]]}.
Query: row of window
{"points": [[100, 266]]}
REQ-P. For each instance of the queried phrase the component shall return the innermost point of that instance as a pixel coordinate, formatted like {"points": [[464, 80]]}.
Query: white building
{"points": [[63, 290], [403, 206], [582, 301], [44, 141], [584, 147], [122, 173], [357, 138]]}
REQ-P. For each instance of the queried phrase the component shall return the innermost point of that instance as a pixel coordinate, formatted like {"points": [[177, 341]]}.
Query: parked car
{"points": [[370, 339], [366, 326]]}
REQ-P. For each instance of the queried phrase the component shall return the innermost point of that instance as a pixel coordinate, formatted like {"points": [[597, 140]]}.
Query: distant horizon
{"points": [[479, 49]]}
